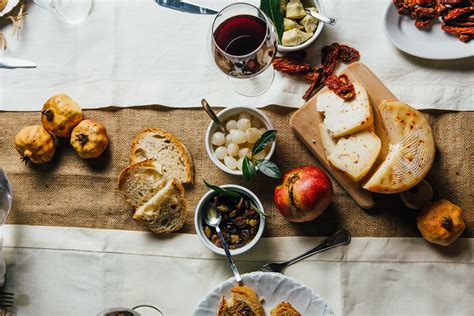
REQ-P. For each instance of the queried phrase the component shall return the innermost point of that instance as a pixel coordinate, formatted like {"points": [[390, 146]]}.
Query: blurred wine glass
{"points": [[69, 11], [243, 45]]}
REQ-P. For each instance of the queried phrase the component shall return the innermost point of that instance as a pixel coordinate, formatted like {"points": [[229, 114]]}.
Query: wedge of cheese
{"points": [[343, 117], [354, 154], [411, 149]]}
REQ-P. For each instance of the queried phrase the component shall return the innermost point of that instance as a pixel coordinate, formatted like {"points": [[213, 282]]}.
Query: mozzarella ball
{"points": [[256, 122], [220, 152], [252, 135], [245, 152], [262, 130], [218, 139], [230, 162], [244, 124], [237, 136], [239, 163], [260, 155], [244, 115], [231, 124], [233, 149], [228, 140]]}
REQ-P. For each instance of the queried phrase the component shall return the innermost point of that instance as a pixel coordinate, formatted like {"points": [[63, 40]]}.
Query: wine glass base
{"points": [[254, 86]]}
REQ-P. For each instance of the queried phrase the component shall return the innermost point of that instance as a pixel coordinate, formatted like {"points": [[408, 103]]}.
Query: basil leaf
{"points": [[272, 9], [222, 191], [260, 144], [259, 211], [248, 169], [268, 168]]}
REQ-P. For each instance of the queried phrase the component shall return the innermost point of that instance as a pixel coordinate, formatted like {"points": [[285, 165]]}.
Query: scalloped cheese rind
{"points": [[354, 154], [411, 149], [344, 117]]}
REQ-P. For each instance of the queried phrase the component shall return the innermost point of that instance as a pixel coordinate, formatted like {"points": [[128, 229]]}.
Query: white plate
{"points": [[430, 43], [275, 288]]}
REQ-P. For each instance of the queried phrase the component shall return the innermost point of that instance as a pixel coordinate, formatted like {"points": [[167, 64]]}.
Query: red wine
{"points": [[241, 34]]}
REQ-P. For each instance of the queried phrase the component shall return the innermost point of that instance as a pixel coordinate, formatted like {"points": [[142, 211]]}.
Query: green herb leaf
{"points": [[272, 9], [268, 168], [248, 169], [259, 211], [222, 191], [260, 144]]}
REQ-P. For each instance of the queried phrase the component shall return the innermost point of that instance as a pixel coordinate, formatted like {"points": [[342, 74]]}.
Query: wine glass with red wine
{"points": [[243, 45]]}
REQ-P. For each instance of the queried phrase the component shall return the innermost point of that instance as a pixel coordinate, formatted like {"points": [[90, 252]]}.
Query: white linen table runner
{"points": [[130, 53]]}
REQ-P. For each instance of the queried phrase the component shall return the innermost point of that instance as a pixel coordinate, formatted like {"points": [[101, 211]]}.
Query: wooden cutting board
{"points": [[305, 122]]}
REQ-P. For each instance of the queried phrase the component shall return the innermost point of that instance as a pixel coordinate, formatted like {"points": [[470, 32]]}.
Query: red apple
{"points": [[304, 194]]}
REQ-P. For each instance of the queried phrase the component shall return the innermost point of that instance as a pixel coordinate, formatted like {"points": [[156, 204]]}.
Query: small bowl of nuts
{"points": [[242, 222], [244, 126]]}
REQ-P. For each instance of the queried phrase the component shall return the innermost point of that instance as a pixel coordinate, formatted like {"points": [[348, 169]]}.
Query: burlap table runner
{"points": [[73, 192]]}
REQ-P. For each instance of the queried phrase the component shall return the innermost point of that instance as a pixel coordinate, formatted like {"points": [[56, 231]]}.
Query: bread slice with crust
{"points": [[243, 301], [140, 181], [284, 309], [165, 212], [170, 153]]}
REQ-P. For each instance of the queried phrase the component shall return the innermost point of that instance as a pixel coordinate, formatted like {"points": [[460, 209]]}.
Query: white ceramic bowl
{"points": [[199, 213], [223, 116], [307, 3]]}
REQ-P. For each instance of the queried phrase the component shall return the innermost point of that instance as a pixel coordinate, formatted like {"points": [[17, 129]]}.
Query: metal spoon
{"points": [[213, 218], [341, 237], [322, 18], [212, 115], [6, 198]]}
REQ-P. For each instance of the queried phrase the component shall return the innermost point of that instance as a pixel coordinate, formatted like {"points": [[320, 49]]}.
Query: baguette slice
{"points": [[171, 154], [343, 117], [140, 181], [165, 212], [244, 301], [354, 154], [411, 150], [284, 309]]}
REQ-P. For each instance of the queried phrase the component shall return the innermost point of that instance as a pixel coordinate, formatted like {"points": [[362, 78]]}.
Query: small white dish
{"points": [[309, 3], [198, 220], [430, 43], [275, 288], [223, 116]]}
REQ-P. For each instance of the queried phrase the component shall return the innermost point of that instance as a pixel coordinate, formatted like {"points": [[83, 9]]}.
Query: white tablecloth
{"points": [[64, 271], [134, 53]]}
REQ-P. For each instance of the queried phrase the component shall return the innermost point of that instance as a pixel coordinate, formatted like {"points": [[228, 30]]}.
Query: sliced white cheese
{"points": [[295, 37], [354, 154], [411, 149], [295, 10], [344, 117]]}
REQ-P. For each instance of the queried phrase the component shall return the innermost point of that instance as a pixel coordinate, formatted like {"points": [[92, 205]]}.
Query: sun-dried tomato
{"points": [[290, 66], [348, 54], [341, 86]]}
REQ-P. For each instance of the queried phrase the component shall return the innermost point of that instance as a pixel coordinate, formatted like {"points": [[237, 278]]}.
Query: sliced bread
{"points": [[243, 301], [165, 212], [171, 154], [354, 154], [344, 117], [284, 309], [140, 181]]}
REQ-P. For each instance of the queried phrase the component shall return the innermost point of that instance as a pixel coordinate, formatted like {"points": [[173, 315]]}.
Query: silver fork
{"points": [[341, 237], [6, 301]]}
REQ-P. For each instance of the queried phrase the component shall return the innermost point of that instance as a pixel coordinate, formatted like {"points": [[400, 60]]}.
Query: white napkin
{"points": [[136, 52], [3, 269]]}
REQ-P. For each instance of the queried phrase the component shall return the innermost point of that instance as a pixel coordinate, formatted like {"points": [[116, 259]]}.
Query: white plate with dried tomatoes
{"points": [[430, 43], [274, 288]]}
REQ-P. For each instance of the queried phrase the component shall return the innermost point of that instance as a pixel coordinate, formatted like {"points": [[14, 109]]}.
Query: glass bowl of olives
{"points": [[242, 223]]}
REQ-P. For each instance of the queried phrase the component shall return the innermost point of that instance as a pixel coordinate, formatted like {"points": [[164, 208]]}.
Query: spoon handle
{"points": [[341, 237], [229, 256], [323, 18], [212, 115]]}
